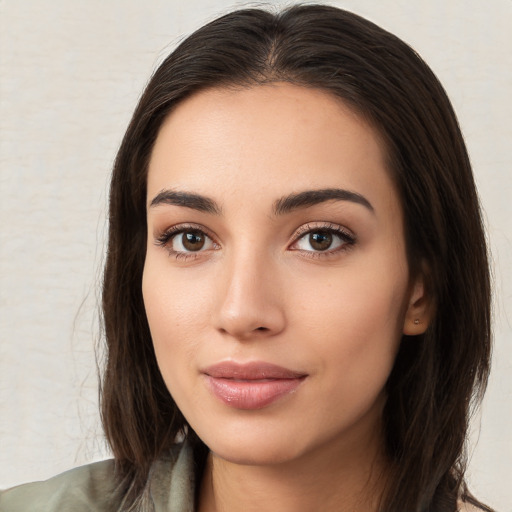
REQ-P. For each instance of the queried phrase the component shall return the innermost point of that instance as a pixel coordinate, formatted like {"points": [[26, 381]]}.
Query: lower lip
{"points": [[251, 394]]}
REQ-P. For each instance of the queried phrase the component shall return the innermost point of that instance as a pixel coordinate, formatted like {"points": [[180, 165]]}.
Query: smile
{"points": [[252, 385]]}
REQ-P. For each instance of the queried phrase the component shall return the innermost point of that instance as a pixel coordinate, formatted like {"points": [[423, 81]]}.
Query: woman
{"points": [[293, 224]]}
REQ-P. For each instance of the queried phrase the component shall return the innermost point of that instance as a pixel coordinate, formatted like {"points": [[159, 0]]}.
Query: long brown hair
{"points": [[437, 376]]}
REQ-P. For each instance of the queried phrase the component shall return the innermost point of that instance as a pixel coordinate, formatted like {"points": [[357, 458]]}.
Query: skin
{"points": [[259, 291]]}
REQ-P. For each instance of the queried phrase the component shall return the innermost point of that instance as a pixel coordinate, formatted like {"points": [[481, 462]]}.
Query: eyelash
{"points": [[347, 238]]}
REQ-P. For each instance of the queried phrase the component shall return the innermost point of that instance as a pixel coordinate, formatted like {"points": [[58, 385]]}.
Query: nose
{"points": [[250, 298]]}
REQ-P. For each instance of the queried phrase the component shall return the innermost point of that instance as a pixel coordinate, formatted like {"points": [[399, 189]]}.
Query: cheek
{"points": [[176, 320], [355, 323], [176, 315], [360, 298], [174, 300]]}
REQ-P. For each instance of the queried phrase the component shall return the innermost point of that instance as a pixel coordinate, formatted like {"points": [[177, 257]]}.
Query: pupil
{"points": [[193, 241], [320, 240]]}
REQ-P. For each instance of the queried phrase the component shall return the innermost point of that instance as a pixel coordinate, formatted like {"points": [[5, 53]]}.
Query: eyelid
{"points": [[322, 225], [180, 228]]}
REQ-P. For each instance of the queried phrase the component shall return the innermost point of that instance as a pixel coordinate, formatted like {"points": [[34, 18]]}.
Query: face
{"points": [[276, 283]]}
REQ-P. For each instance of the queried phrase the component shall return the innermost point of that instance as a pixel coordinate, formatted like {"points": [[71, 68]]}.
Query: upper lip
{"points": [[250, 371]]}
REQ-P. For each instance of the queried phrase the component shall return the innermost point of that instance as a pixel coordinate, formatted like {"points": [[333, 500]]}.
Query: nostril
{"points": [[262, 329]]}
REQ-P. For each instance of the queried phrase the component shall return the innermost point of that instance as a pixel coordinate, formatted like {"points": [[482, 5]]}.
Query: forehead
{"points": [[273, 139]]}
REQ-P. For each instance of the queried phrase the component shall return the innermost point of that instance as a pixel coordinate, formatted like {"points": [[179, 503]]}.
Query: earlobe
{"points": [[419, 310]]}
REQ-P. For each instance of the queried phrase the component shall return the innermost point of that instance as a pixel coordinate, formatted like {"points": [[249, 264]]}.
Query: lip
{"points": [[251, 385]]}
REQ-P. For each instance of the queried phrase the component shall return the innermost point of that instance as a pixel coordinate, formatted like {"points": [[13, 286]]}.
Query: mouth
{"points": [[252, 385]]}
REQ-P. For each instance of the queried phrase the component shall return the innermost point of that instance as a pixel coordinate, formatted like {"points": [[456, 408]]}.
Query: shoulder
{"points": [[93, 487], [85, 488]]}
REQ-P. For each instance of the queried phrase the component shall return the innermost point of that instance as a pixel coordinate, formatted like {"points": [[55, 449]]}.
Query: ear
{"points": [[419, 309]]}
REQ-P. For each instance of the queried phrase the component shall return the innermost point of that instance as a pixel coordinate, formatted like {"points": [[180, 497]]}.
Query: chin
{"points": [[255, 455], [253, 448]]}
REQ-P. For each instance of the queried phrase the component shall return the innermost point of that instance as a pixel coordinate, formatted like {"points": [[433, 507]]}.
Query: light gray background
{"points": [[71, 72]]}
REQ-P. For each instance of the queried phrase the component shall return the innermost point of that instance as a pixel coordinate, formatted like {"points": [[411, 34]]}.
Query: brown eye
{"points": [[323, 239], [191, 240], [320, 240]]}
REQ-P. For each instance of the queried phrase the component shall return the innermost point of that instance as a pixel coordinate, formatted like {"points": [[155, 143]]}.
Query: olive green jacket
{"points": [[92, 488]]}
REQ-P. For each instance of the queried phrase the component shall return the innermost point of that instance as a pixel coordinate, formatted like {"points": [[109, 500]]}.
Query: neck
{"points": [[341, 478]]}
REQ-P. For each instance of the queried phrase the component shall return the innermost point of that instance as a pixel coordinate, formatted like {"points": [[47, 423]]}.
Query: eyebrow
{"points": [[282, 206], [312, 197], [186, 199]]}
